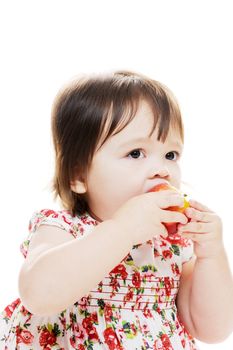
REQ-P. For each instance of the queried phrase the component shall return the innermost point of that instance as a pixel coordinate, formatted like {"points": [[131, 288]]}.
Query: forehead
{"points": [[142, 123], [142, 126]]}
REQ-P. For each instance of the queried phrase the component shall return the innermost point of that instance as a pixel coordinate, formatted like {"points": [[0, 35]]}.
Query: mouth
{"points": [[157, 182]]}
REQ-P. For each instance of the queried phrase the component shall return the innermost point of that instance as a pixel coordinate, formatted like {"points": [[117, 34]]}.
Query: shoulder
{"points": [[54, 227], [63, 219]]}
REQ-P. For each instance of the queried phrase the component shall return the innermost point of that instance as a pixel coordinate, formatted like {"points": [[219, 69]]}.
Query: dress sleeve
{"points": [[187, 250], [61, 219]]}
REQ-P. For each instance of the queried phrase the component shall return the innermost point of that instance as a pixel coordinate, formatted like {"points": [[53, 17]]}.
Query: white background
{"points": [[185, 44]]}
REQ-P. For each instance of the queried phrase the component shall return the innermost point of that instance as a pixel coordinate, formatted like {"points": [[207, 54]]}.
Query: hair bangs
{"points": [[124, 102]]}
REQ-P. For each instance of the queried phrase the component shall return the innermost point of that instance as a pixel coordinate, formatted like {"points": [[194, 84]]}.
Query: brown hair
{"points": [[91, 109]]}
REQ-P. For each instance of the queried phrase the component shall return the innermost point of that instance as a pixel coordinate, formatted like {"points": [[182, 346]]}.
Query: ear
{"points": [[78, 186]]}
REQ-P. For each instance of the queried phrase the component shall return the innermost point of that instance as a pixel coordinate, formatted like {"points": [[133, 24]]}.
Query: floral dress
{"points": [[134, 307]]}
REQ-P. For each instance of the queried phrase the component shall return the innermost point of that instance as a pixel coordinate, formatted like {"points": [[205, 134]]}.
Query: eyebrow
{"points": [[174, 144], [136, 140]]}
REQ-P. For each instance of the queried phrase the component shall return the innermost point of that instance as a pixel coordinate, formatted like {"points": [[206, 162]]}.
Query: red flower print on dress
{"points": [[48, 212], [23, 336], [100, 287], [167, 285], [133, 329], [78, 331], [73, 343], [87, 324], [146, 329], [94, 317], [175, 269], [163, 243], [24, 311], [81, 347], [83, 303], [10, 308], [147, 313], [136, 279], [63, 321], [128, 296], [167, 254], [120, 270], [177, 239], [156, 253], [108, 312], [115, 285], [66, 221], [156, 345], [111, 339], [166, 342], [47, 338]]}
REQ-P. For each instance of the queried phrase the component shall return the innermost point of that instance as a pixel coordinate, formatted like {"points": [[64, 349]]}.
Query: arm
{"points": [[205, 298], [59, 270], [57, 274]]}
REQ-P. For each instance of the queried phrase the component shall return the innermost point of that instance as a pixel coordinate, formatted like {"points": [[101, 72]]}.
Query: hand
{"points": [[142, 216], [204, 229]]}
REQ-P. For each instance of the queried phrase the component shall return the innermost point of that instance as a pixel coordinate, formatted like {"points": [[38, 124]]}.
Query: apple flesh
{"points": [[171, 226]]}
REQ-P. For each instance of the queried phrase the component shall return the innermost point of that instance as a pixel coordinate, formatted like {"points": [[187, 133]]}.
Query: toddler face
{"points": [[130, 163]]}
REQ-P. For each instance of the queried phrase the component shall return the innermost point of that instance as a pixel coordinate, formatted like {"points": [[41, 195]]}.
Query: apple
{"points": [[171, 226]]}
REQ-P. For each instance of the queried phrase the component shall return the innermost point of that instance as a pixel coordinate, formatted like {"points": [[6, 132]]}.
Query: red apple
{"points": [[171, 226]]}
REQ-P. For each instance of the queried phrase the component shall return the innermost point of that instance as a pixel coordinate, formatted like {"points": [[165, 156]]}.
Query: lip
{"points": [[157, 182]]}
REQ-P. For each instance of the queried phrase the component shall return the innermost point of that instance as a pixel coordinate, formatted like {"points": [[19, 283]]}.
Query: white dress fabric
{"points": [[134, 307]]}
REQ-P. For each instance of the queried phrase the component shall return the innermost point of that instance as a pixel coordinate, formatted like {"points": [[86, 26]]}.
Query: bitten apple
{"points": [[171, 226]]}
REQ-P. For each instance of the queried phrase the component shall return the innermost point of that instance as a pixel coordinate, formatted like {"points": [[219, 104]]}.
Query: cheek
{"points": [[106, 195], [118, 190], [175, 172]]}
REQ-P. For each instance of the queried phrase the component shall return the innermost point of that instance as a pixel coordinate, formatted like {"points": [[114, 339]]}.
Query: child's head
{"points": [[93, 110]]}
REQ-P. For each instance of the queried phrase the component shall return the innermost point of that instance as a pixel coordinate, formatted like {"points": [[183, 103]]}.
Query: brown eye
{"points": [[135, 154], [173, 155]]}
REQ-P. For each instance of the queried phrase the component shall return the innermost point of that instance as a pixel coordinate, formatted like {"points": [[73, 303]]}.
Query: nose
{"points": [[159, 170]]}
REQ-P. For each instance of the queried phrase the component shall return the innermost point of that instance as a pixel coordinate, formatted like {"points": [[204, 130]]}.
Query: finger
{"points": [[173, 216], [197, 205], [196, 227], [173, 200], [197, 237], [197, 215]]}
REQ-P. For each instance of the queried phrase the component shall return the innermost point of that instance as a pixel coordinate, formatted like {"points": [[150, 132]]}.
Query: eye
{"points": [[136, 154], [173, 155]]}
